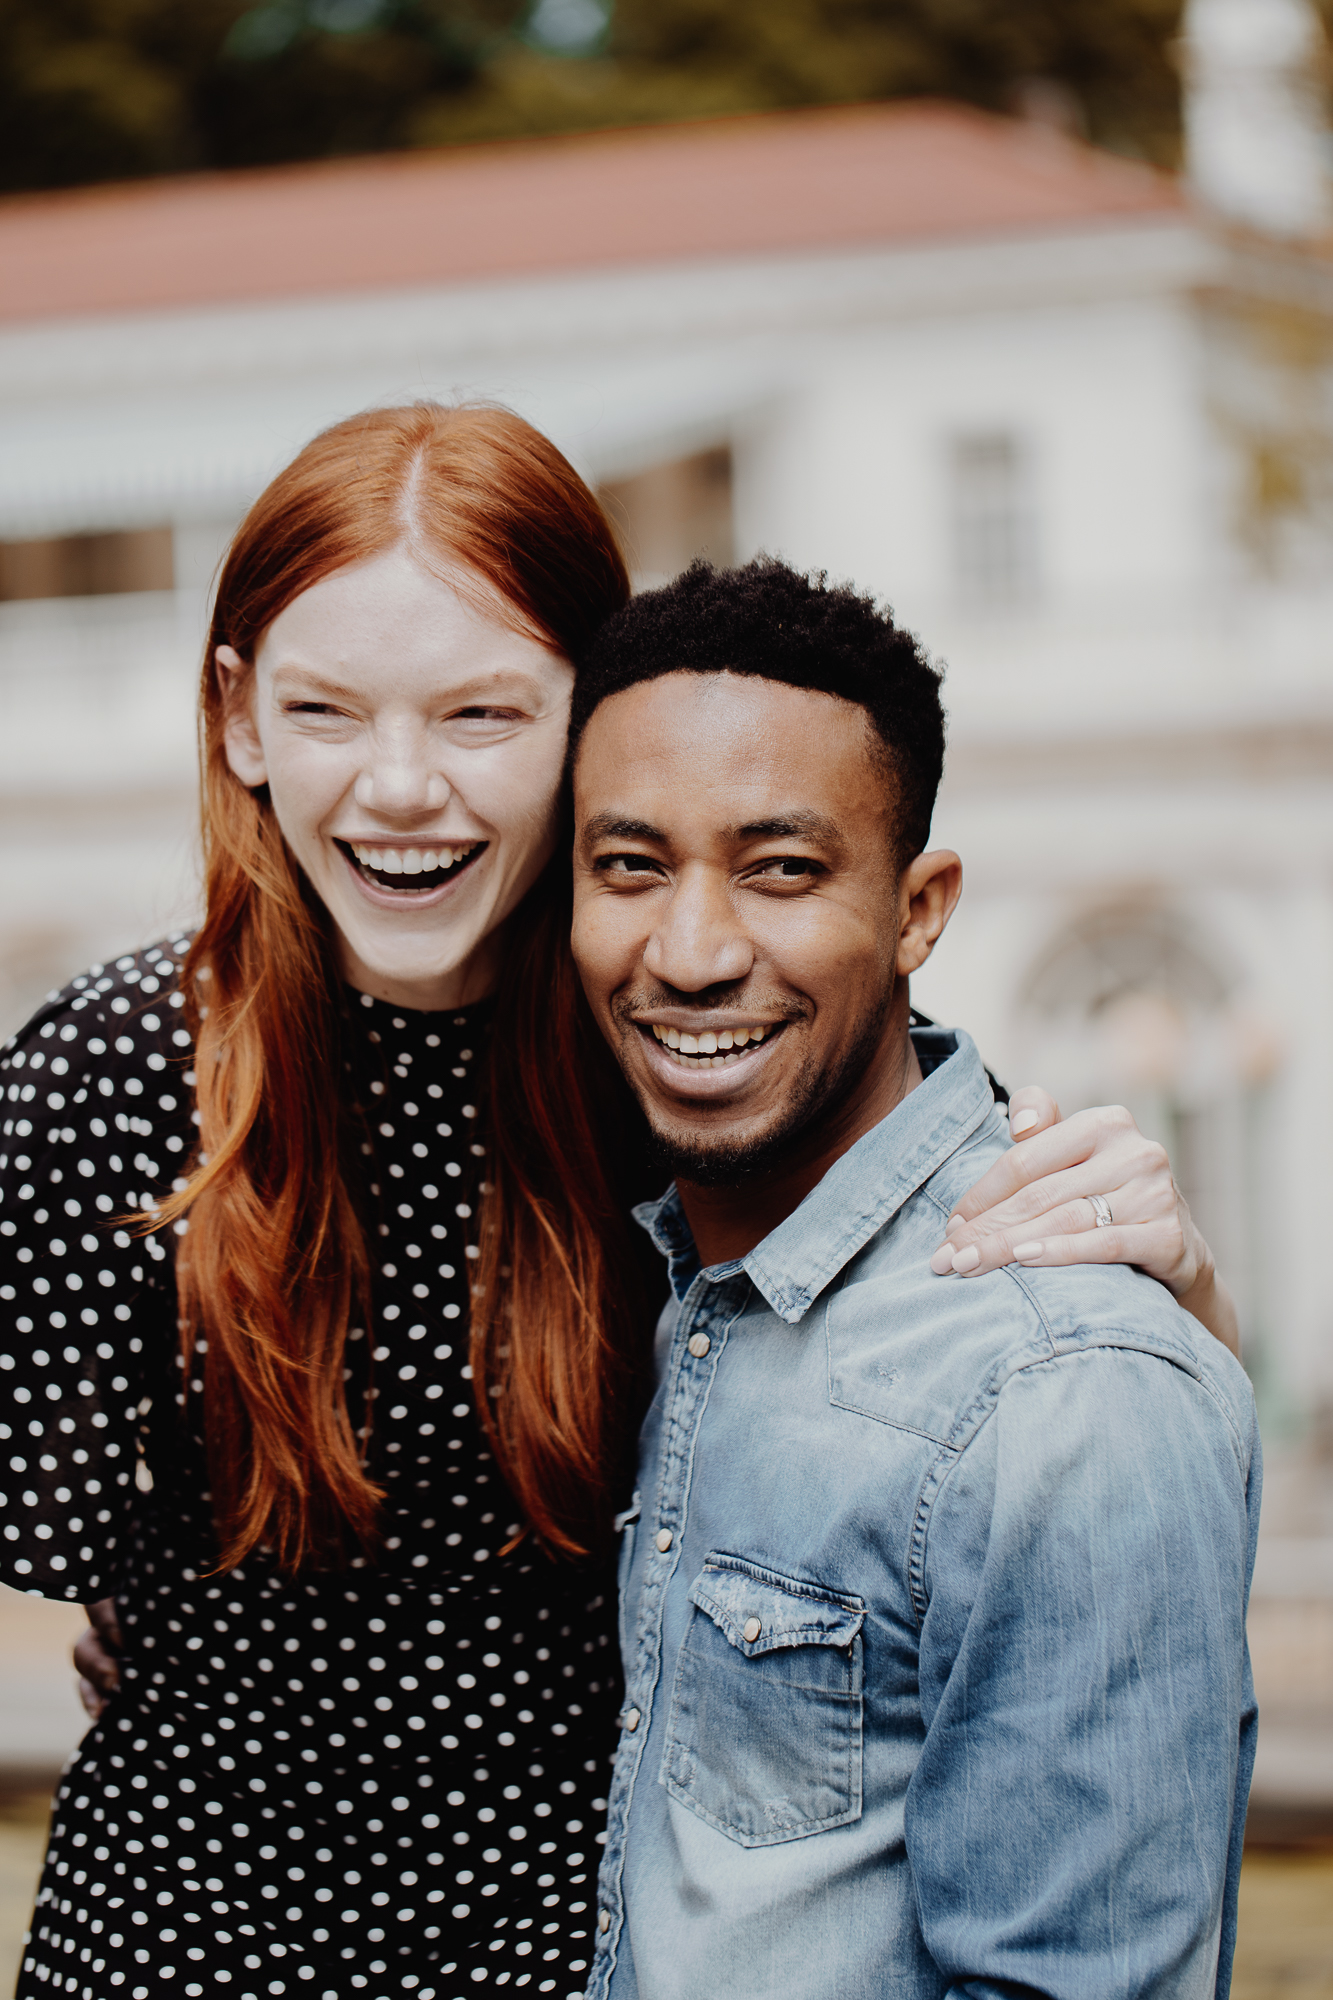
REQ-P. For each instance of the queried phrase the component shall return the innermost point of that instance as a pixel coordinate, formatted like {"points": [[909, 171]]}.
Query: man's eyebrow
{"points": [[610, 826], [811, 826]]}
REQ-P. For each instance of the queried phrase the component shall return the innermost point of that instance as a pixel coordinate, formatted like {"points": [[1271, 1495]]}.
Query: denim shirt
{"points": [[933, 1616]]}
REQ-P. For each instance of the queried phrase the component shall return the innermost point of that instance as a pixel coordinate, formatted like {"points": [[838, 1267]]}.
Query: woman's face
{"points": [[412, 743]]}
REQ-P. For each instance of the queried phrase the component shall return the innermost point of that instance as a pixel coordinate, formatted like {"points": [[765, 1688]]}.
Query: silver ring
{"points": [[1101, 1208]]}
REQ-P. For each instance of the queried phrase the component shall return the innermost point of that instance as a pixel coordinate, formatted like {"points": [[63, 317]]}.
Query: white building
{"points": [[1070, 417]]}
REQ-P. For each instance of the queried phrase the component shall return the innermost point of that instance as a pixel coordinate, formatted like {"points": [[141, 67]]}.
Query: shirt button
{"points": [[699, 1345], [632, 1720], [604, 1921], [750, 1630], [664, 1539]]}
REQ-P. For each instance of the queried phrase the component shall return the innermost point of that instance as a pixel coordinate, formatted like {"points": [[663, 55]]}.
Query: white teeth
{"points": [[411, 860], [709, 1047]]}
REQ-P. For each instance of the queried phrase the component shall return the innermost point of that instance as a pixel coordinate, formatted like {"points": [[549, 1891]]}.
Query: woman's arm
{"points": [[97, 1656], [1032, 1208]]}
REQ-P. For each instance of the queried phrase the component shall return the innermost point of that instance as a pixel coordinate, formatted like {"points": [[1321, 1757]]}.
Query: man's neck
{"points": [[727, 1222]]}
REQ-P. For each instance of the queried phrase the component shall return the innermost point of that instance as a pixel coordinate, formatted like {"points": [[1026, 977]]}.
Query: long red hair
{"points": [[273, 1264]]}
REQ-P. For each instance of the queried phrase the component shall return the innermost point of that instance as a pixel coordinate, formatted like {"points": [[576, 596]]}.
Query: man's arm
{"points": [[1074, 1824]]}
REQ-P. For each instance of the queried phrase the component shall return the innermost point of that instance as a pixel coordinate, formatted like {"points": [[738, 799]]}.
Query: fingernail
{"points": [[942, 1262], [1023, 1121], [954, 1222], [967, 1260], [1025, 1251]]}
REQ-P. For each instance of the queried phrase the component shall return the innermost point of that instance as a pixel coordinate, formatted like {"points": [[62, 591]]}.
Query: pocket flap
{"points": [[760, 1611]]}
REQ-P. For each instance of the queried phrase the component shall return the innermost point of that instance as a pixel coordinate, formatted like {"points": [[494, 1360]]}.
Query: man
{"points": [[934, 1589]]}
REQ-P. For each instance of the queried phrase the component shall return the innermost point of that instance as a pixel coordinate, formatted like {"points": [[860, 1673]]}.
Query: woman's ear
{"points": [[245, 752]]}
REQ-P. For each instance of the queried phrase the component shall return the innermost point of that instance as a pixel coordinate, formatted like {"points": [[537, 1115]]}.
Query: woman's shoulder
{"points": [[123, 1014], [99, 1086]]}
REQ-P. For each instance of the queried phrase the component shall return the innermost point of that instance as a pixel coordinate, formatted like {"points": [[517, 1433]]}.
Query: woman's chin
{"points": [[423, 972]]}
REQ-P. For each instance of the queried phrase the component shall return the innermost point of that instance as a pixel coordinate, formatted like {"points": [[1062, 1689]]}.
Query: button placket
{"points": [[712, 1303]]}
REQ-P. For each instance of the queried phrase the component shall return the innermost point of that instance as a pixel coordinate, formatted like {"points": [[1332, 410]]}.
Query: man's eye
{"points": [[789, 867], [627, 864]]}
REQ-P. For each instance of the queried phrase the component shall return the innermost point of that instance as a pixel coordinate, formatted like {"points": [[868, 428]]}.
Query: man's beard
{"points": [[725, 1163]]}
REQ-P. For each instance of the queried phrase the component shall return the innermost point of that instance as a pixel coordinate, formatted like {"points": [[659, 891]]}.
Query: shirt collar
{"points": [[860, 1192]]}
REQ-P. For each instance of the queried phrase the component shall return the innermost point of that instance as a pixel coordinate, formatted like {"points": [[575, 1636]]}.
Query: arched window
{"points": [[1136, 1003]]}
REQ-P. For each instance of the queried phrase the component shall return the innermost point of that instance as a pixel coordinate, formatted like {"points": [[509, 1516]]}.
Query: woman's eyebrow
{"points": [[313, 682], [477, 689]]}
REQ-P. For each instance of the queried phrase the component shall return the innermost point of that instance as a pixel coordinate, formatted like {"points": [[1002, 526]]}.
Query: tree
{"points": [[112, 89]]}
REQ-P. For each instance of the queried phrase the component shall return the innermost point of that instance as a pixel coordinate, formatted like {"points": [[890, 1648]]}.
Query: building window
{"points": [[1131, 1004], [994, 529], [670, 514], [87, 565]]}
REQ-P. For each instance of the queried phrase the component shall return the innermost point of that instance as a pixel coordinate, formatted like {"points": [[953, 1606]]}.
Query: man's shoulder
{"points": [[934, 1354]]}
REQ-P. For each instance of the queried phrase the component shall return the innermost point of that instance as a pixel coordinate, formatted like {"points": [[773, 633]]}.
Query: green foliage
{"points": [[111, 89]]}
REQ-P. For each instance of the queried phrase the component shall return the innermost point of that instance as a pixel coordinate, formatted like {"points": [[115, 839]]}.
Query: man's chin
{"points": [[721, 1162]]}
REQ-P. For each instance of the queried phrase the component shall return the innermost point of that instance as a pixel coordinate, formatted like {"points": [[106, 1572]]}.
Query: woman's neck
{"points": [[435, 993]]}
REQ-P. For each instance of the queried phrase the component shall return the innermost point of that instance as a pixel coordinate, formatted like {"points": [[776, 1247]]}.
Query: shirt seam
{"points": [[924, 1513]]}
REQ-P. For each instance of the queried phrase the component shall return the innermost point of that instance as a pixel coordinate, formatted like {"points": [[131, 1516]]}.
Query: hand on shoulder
{"points": [[1089, 1189]]}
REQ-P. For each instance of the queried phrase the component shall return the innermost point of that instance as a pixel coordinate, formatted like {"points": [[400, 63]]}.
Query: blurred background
{"points": [[1019, 315]]}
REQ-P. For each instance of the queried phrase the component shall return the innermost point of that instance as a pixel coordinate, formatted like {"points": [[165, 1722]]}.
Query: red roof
{"points": [[859, 176]]}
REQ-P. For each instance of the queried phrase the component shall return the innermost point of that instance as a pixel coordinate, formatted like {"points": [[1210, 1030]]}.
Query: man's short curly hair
{"points": [[770, 621]]}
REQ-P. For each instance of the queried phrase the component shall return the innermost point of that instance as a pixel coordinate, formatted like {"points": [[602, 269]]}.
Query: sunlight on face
{"points": [[412, 743]]}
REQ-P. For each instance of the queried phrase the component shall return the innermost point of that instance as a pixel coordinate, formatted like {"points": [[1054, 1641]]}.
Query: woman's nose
{"points": [[402, 785]]}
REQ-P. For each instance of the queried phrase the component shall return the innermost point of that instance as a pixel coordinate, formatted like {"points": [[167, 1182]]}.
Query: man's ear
{"points": [[245, 752], [929, 889]]}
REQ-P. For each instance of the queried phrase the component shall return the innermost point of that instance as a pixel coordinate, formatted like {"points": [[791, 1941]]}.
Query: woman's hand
{"points": [[1032, 1208], [97, 1657]]}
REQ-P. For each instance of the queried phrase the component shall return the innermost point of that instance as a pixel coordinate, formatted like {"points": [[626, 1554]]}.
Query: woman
{"points": [[359, 1742]]}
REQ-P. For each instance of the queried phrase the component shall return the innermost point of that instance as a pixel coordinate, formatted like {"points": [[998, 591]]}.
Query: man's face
{"points": [[737, 909]]}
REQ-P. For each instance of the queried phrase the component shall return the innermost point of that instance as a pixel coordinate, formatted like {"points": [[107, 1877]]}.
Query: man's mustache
{"points": [[633, 1009]]}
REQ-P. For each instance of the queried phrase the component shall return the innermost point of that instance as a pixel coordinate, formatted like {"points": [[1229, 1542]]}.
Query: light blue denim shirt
{"points": [[933, 1615]]}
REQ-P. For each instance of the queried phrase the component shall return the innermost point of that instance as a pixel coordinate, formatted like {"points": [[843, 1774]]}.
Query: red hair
{"points": [[274, 1264]]}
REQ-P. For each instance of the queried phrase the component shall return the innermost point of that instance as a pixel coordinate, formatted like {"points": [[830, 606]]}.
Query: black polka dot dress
{"points": [[385, 1781]]}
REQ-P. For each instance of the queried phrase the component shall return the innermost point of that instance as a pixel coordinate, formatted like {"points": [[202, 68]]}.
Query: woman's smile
{"points": [[415, 876]]}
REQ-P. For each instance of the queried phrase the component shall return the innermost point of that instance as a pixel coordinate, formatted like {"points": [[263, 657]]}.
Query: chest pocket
{"points": [[764, 1736]]}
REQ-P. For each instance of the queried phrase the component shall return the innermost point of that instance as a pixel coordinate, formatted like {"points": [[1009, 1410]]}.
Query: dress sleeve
{"points": [[1074, 1822], [97, 1121]]}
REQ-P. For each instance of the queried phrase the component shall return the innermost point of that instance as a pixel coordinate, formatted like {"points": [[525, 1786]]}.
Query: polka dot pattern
{"points": [[382, 1781]]}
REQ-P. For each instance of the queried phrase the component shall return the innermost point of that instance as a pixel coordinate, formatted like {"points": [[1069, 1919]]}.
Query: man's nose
{"points": [[699, 941], [402, 779]]}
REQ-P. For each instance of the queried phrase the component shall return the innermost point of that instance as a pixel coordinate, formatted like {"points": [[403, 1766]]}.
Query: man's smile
{"points": [[710, 1048]]}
